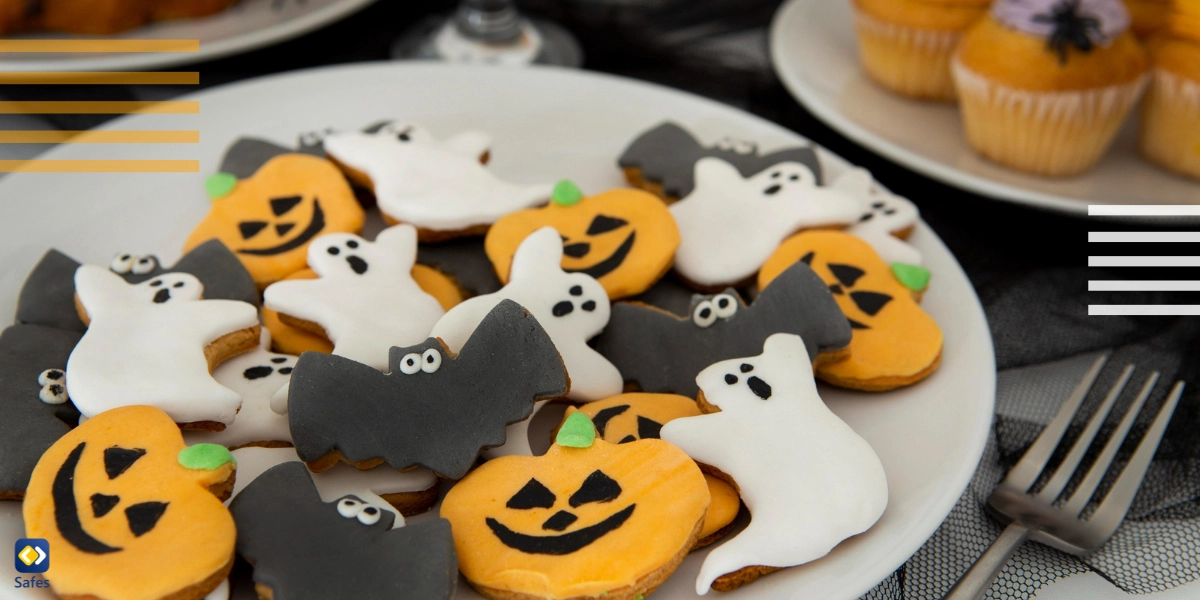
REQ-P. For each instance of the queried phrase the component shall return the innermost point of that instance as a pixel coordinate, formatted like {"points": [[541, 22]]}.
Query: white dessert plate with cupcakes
{"points": [[600, 133], [815, 54]]}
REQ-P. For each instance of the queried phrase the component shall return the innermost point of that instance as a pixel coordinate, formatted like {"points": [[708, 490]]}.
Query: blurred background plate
{"points": [[815, 54], [248, 25], [547, 124]]}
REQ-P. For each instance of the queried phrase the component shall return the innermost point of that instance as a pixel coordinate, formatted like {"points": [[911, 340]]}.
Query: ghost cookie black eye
{"points": [[333, 250]]}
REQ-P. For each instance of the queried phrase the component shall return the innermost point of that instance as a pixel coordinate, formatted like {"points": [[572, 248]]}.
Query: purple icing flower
{"points": [[1082, 24]]}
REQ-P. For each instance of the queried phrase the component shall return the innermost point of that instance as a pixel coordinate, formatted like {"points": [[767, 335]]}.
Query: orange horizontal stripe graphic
{"points": [[97, 78], [99, 166], [99, 45], [169, 107], [51, 136]]}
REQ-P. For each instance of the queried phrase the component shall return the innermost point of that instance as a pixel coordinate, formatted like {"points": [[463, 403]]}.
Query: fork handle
{"points": [[976, 581]]}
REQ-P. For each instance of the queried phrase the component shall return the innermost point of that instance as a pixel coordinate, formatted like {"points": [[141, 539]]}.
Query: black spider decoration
{"points": [[1070, 29]]}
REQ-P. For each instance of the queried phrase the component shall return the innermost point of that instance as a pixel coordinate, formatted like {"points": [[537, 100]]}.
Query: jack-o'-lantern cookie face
{"points": [[549, 526], [122, 494], [894, 342], [631, 417], [625, 238], [268, 219]]}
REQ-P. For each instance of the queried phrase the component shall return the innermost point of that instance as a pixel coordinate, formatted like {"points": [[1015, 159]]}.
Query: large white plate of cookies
{"points": [[522, 333]]}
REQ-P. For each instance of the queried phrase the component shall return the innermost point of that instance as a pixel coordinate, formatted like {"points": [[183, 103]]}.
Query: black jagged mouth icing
{"points": [[611, 263], [316, 226], [559, 545]]}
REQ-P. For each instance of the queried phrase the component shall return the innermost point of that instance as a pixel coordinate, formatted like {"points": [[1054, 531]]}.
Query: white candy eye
{"points": [[55, 393], [143, 265], [50, 376], [704, 315], [431, 361], [411, 363], [349, 507], [369, 515], [725, 305], [121, 264]]}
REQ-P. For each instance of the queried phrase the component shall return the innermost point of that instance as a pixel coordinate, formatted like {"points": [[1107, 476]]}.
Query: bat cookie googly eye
{"points": [[144, 265], [705, 314], [121, 264], [411, 363], [431, 360], [725, 305]]}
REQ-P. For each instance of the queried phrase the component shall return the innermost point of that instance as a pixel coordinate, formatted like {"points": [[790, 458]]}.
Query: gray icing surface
{"points": [[669, 293], [29, 426], [48, 296], [304, 548], [465, 260], [245, 155], [663, 352], [440, 420], [667, 155]]}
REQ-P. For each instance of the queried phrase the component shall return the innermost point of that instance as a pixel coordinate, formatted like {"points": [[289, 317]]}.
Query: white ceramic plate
{"points": [[547, 124], [814, 50], [248, 25]]}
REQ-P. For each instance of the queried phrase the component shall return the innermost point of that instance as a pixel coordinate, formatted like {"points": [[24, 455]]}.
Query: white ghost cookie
{"points": [[438, 186], [571, 307], [884, 215], [146, 344], [364, 298], [373, 486], [255, 375], [730, 225], [807, 478]]}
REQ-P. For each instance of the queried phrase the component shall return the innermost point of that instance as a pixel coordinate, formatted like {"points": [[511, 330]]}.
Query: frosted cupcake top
{"points": [[1078, 23]]}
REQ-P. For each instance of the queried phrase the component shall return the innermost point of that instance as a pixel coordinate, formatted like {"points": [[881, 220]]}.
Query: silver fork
{"points": [[1036, 516]]}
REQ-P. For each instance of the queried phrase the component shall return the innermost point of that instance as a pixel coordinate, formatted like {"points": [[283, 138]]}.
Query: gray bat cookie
{"points": [[303, 548], [245, 155], [663, 352], [431, 410]]}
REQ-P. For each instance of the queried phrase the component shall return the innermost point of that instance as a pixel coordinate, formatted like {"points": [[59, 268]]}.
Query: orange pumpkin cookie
{"points": [[130, 511], [625, 238], [894, 342], [587, 519], [630, 417], [290, 339], [269, 218]]}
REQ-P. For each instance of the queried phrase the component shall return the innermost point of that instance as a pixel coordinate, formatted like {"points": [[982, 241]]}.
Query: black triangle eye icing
{"points": [[118, 460], [846, 274], [102, 504], [249, 229], [604, 416], [143, 517], [281, 206], [598, 487], [870, 302], [532, 495], [604, 224], [648, 428], [807, 259]]}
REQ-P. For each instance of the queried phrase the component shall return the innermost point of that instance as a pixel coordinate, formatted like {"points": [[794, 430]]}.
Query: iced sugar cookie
{"points": [[156, 343], [624, 238], [662, 352], [887, 219], [894, 343], [365, 300], [303, 547], [434, 409], [588, 519], [34, 408], [663, 159], [628, 418], [807, 478], [269, 218], [122, 494], [439, 186], [730, 223]]}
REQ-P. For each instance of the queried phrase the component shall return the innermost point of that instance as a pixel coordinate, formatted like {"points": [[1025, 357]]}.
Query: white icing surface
{"points": [[808, 479], [339, 481], [435, 185], [538, 283], [889, 213], [143, 347], [364, 314], [255, 376], [730, 225]]}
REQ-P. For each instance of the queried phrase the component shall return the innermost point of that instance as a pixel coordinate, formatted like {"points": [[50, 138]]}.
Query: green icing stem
{"points": [[219, 185], [566, 193], [912, 277], [205, 457], [576, 432]]}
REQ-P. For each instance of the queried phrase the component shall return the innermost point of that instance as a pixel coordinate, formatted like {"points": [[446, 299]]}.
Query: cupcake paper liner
{"points": [[911, 61], [1049, 133], [1170, 134]]}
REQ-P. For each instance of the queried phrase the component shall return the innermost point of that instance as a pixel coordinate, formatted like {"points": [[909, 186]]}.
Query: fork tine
{"points": [[1083, 493], [1066, 470], [1111, 512], [1026, 471]]}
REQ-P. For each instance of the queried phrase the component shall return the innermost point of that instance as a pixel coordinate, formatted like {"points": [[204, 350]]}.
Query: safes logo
{"points": [[32, 555]]}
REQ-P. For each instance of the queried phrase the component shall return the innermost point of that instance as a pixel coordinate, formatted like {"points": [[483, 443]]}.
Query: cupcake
{"points": [[1045, 84], [1148, 16], [1171, 114], [906, 45]]}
